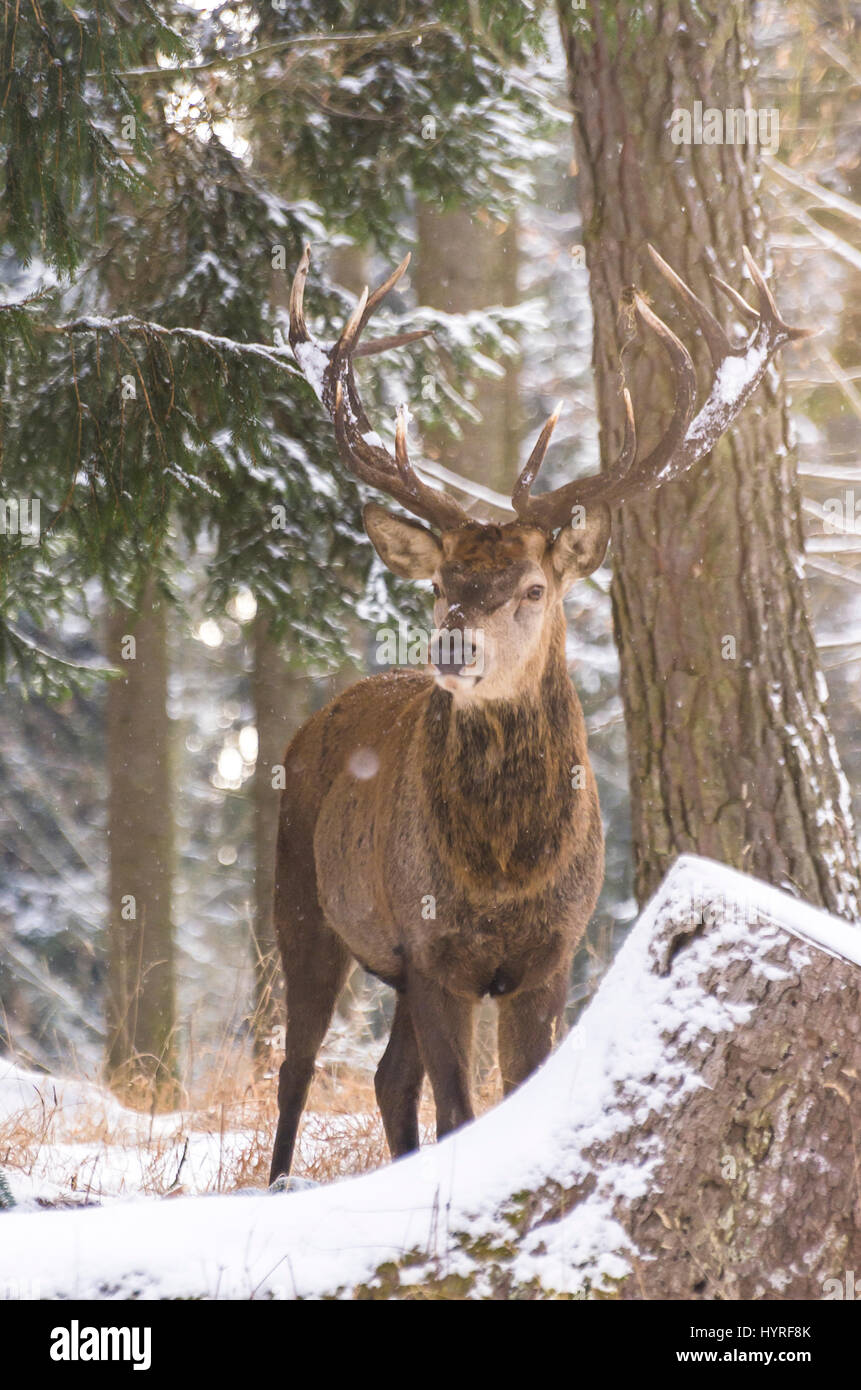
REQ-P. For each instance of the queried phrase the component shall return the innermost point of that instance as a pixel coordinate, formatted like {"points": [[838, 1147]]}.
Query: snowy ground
{"points": [[66, 1143], [134, 1153], [433, 1206]]}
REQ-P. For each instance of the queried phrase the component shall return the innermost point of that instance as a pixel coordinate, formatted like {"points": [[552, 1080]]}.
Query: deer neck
{"points": [[500, 778]]}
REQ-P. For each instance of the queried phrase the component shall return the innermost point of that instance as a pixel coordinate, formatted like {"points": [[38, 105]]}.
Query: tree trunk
{"points": [[141, 987], [465, 264], [280, 703], [729, 745]]}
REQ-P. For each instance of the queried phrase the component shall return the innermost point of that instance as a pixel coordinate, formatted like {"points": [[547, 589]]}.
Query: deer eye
{"points": [[535, 593], [436, 590]]}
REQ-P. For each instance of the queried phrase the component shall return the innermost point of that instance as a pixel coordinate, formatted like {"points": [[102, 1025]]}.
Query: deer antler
{"points": [[330, 373], [689, 437]]}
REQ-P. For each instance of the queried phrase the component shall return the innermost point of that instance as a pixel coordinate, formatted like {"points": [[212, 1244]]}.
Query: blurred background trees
{"points": [[158, 187]]}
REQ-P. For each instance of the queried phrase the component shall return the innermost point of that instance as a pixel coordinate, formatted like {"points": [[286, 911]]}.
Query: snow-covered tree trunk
{"points": [[730, 750], [694, 1137], [741, 1113]]}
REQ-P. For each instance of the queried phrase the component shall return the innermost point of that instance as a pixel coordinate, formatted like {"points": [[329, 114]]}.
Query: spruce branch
{"points": [[359, 41], [130, 323]]}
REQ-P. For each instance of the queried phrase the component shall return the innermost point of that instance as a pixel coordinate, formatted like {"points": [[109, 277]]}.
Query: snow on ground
{"points": [[87, 1148], [315, 1243], [135, 1152]]}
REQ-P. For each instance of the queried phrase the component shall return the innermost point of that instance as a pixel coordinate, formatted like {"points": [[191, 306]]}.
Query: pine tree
{"points": [[150, 398]]}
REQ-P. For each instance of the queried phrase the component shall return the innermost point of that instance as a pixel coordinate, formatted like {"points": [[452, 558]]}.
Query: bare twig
{"points": [[822, 197]]}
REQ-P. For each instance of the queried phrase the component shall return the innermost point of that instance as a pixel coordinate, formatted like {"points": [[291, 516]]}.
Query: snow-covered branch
{"points": [[130, 323]]}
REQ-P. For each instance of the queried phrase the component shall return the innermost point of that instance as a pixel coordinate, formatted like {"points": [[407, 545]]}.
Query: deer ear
{"points": [[405, 547], [580, 547]]}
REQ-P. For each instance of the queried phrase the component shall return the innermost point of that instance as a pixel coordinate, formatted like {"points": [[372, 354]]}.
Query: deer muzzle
{"points": [[457, 651]]}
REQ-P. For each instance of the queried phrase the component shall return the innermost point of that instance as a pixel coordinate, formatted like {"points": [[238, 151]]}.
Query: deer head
{"points": [[501, 586]]}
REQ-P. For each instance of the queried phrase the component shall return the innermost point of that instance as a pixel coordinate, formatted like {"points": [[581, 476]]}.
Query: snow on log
{"points": [[693, 1137]]}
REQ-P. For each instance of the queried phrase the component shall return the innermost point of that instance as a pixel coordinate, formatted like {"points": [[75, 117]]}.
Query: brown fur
{"points": [[441, 840]]}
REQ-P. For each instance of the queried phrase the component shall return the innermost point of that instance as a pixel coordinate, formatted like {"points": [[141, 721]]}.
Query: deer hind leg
{"points": [[315, 966], [398, 1083], [444, 1025], [530, 1024]]}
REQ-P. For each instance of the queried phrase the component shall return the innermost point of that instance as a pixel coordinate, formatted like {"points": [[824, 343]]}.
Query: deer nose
{"points": [[451, 650]]}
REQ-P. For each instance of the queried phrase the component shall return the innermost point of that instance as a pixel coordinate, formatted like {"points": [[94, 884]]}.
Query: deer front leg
{"points": [[529, 1025], [443, 1025]]}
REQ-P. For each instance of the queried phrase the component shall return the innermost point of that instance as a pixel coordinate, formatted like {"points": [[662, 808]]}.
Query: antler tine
{"points": [[528, 474], [426, 501], [373, 464], [738, 372], [298, 328], [716, 340], [348, 343], [685, 396], [551, 510], [768, 315], [532, 510], [394, 340], [382, 290], [768, 311], [351, 330], [402, 457], [331, 375], [746, 310], [629, 442]]}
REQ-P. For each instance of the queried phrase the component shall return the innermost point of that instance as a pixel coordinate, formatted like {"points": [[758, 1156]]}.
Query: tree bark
{"points": [[709, 1147], [141, 987], [693, 1138], [730, 750], [465, 264]]}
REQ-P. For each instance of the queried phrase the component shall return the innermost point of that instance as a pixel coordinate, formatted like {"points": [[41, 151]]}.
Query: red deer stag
{"points": [[441, 826]]}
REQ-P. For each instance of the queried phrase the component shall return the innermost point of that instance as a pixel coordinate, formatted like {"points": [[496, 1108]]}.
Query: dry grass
{"points": [[71, 1143], [71, 1150]]}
